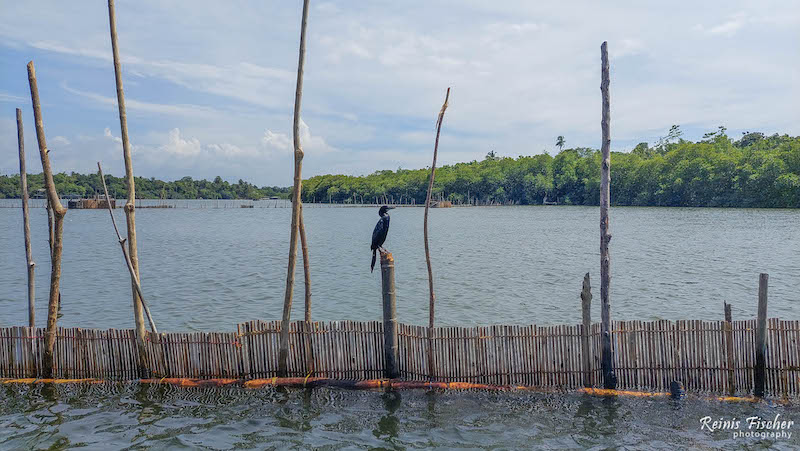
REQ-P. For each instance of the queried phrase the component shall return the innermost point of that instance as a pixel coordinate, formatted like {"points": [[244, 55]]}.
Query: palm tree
{"points": [[560, 143]]}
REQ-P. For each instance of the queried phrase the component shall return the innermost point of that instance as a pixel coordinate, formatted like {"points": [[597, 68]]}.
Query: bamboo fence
{"points": [[648, 355]]}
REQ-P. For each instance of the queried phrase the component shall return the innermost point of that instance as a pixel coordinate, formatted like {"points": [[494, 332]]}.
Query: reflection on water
{"points": [[114, 416]]}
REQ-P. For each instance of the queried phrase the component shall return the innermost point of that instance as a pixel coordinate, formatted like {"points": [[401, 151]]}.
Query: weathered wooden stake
{"points": [[130, 205], [759, 372], [306, 266], [307, 276], [609, 378], [137, 285], [586, 308], [729, 348], [26, 224], [390, 343], [58, 212], [283, 353]]}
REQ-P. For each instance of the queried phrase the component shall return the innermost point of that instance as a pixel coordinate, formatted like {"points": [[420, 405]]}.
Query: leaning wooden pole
{"points": [[586, 310], [283, 353], [609, 378], [137, 285], [130, 205], [432, 298], [26, 224], [58, 212], [759, 372]]}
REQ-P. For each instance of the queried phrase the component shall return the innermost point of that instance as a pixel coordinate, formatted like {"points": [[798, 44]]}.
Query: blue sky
{"points": [[210, 85]]}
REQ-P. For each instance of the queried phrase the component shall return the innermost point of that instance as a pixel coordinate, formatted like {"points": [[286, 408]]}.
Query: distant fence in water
{"points": [[704, 355]]}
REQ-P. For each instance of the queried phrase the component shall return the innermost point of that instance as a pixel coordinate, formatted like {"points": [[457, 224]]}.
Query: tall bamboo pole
{"points": [[609, 378], [26, 224], [137, 284], [58, 212], [283, 354], [130, 205]]}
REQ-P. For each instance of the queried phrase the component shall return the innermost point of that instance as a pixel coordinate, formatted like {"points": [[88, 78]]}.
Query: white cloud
{"points": [[144, 107], [272, 140], [727, 28], [6, 97], [107, 134], [177, 145], [313, 143], [60, 141], [627, 47]]}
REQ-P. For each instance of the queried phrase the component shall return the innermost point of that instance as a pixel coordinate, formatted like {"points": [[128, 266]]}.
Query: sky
{"points": [[209, 85]]}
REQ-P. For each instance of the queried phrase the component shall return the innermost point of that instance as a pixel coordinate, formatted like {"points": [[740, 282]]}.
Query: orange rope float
{"points": [[371, 384]]}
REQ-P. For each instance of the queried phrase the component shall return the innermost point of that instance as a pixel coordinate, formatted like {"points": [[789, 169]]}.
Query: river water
{"points": [[207, 268], [130, 416]]}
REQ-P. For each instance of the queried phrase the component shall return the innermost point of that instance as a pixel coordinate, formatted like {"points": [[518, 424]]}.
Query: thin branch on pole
{"points": [[283, 354], [58, 230], [130, 205], [136, 283], [431, 308], [26, 224]]}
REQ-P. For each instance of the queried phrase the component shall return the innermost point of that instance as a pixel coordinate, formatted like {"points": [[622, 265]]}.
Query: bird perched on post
{"points": [[379, 234]]}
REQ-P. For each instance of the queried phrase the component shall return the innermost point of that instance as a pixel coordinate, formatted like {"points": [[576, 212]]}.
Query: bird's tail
{"points": [[372, 267]]}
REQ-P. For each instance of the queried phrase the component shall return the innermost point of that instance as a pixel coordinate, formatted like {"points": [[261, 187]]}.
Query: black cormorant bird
{"points": [[379, 234]]}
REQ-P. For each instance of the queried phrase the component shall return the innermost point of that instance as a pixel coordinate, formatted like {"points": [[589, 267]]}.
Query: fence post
{"points": [[729, 348], [389, 316], [586, 307], [759, 378]]}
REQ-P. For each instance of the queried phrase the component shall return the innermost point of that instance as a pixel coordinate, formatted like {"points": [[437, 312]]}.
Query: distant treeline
{"points": [[754, 171], [185, 188]]}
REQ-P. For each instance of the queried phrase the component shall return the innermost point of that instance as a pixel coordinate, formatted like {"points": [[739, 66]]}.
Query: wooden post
{"points": [[391, 370], [729, 348], [307, 330], [26, 224], [136, 283], [130, 205], [283, 353], [609, 378], [586, 308], [306, 267], [759, 372], [58, 212]]}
